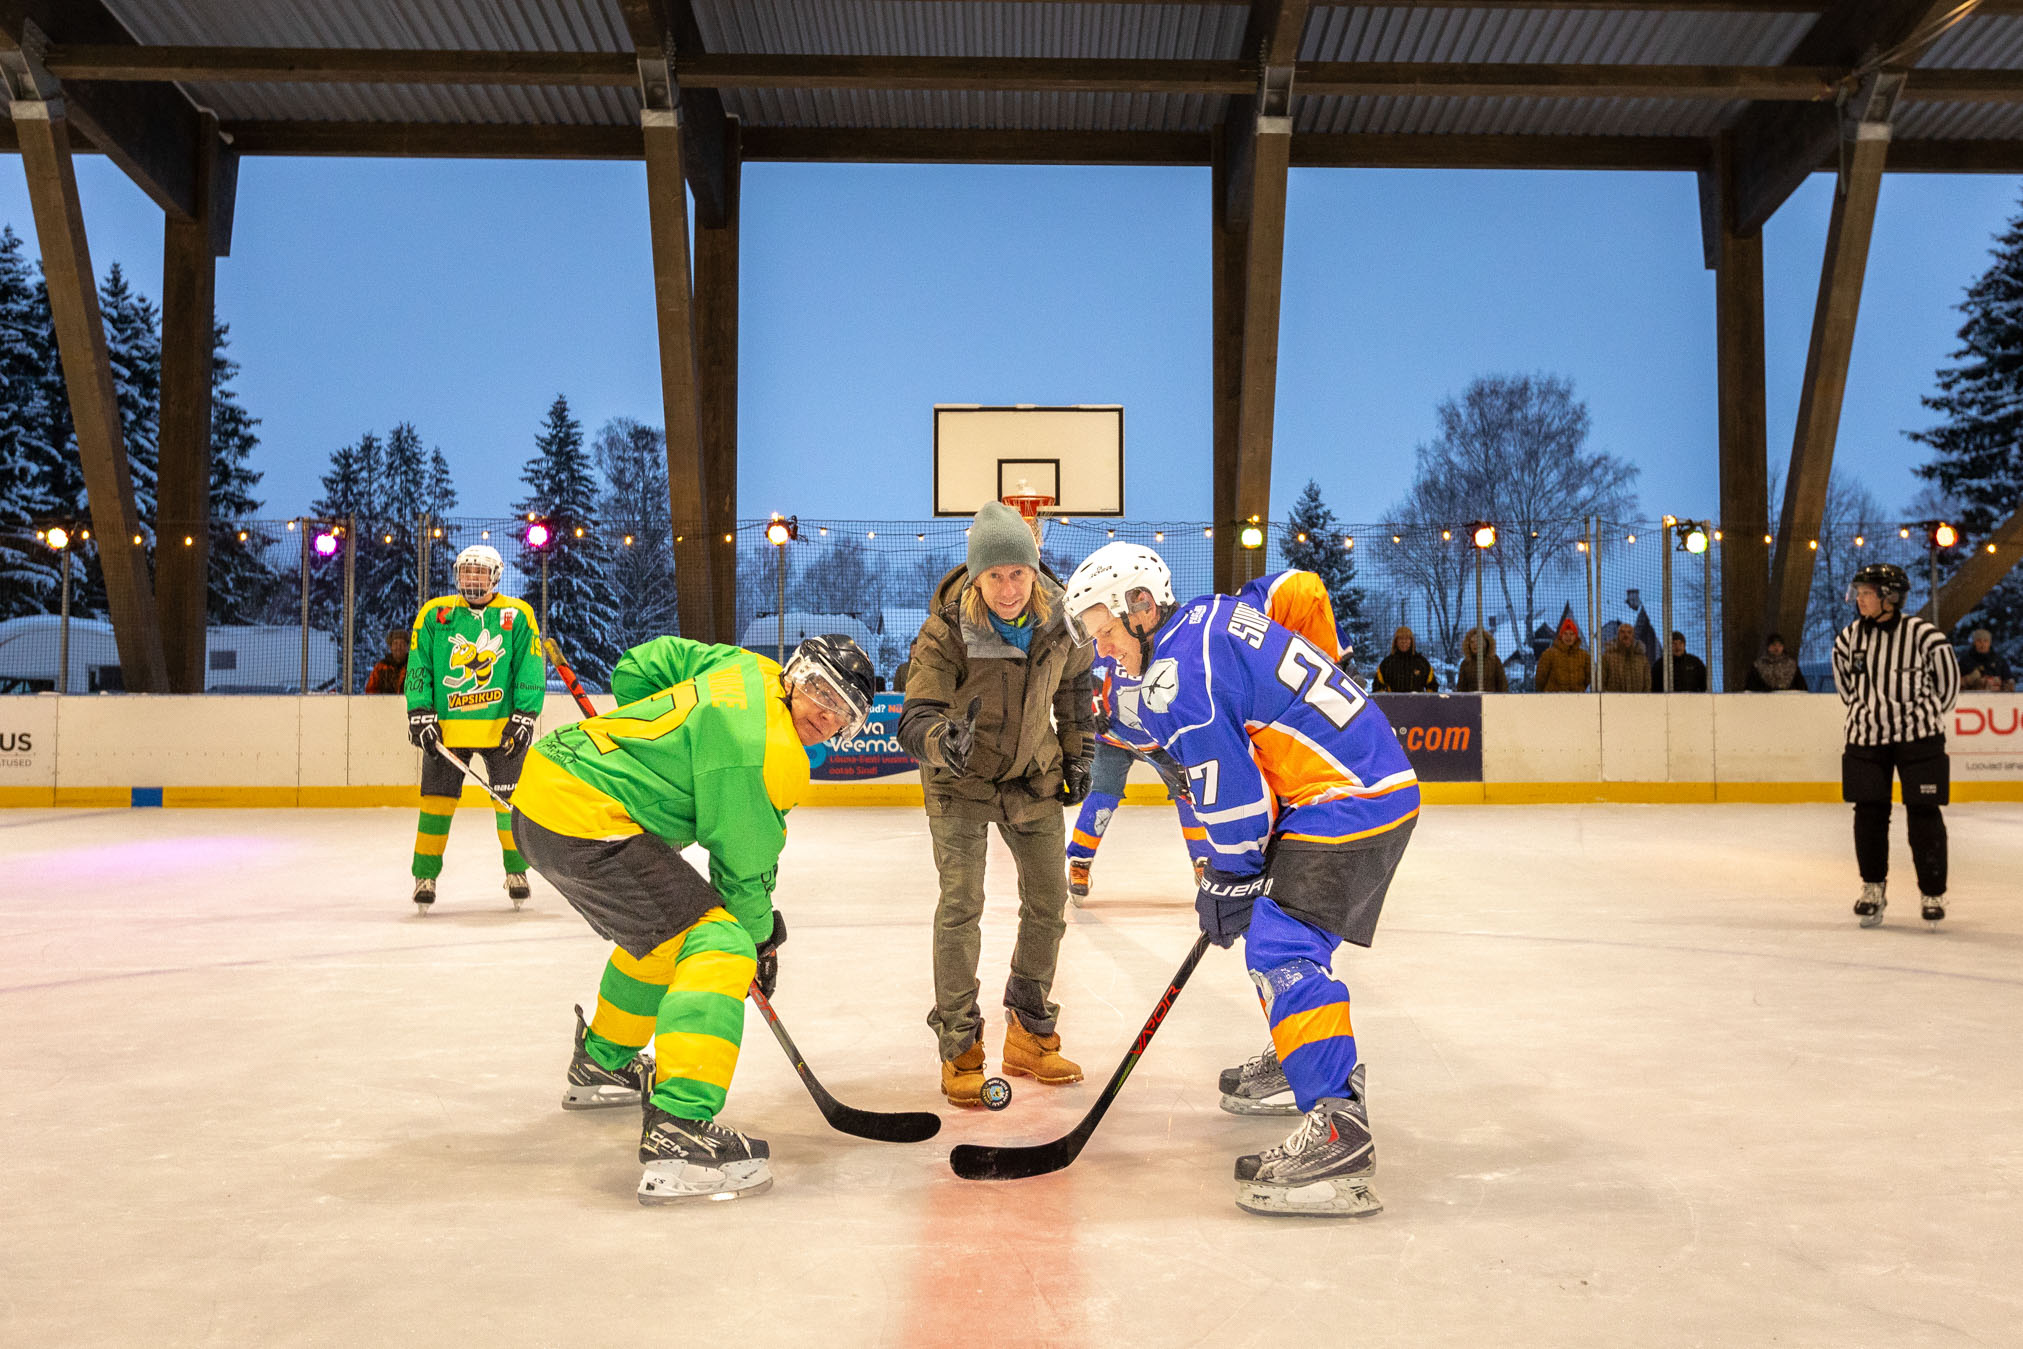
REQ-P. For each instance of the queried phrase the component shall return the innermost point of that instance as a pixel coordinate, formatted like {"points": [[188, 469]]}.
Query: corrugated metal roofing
{"points": [[1513, 116], [913, 28], [1662, 37], [974, 110]]}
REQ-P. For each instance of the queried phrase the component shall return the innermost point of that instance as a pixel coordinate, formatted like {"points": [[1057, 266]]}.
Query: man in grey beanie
{"points": [[997, 711]]}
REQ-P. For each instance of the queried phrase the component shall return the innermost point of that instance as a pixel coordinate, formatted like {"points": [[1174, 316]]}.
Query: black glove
{"points": [[519, 732], [768, 974], [958, 737], [1173, 772], [423, 732], [1223, 904], [1099, 712], [1075, 777]]}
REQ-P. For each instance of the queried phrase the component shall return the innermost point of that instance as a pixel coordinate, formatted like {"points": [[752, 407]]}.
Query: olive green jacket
{"points": [[1034, 712]]}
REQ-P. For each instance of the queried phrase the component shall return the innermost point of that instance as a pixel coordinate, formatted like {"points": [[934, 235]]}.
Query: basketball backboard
{"points": [[1073, 454]]}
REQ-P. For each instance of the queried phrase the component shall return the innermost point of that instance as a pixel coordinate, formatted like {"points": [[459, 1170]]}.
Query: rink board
{"points": [[107, 751]]}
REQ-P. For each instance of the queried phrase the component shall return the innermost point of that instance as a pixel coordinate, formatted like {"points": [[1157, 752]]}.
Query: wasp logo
{"points": [[471, 662]]}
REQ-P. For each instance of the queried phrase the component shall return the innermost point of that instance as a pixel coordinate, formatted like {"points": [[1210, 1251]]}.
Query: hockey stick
{"points": [[972, 1162], [472, 774], [886, 1127], [553, 649]]}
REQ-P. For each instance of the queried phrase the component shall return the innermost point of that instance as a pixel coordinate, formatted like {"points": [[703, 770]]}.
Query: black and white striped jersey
{"points": [[1898, 679]]}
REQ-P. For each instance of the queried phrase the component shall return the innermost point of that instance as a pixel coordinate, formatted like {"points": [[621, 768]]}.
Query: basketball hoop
{"points": [[1029, 505]]}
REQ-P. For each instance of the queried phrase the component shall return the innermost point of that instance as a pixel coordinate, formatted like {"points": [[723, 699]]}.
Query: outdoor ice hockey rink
{"points": [[1636, 1078]]}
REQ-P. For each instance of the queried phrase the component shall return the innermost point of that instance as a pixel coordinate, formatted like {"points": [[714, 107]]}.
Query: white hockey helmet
{"points": [[485, 556], [1109, 577]]}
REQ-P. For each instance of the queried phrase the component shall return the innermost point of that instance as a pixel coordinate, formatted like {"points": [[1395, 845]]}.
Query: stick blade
{"points": [[973, 1162], [906, 1126]]}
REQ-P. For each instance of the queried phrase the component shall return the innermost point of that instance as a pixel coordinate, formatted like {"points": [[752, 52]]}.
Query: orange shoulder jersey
{"points": [[1276, 740]]}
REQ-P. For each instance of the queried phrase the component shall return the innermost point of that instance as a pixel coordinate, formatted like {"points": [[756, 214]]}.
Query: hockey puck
{"points": [[996, 1093]]}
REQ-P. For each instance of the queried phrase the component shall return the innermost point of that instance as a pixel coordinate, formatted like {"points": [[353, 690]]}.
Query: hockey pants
{"points": [[442, 786]]}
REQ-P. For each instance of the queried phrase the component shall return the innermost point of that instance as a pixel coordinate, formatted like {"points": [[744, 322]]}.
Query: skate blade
{"points": [[1341, 1198], [1280, 1104], [1871, 920], [421, 910], [678, 1182], [598, 1098]]}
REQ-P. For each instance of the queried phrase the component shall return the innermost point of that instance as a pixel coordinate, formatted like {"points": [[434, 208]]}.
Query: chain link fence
{"points": [[317, 604]]}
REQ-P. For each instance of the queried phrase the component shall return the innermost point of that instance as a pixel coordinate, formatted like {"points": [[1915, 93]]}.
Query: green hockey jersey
{"points": [[475, 667], [701, 749]]}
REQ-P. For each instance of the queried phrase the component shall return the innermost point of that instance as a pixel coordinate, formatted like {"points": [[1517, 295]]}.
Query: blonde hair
{"points": [[976, 612]]}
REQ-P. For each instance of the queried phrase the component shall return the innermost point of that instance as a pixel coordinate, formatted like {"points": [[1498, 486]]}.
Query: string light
{"points": [[1814, 545], [1349, 541], [1158, 536]]}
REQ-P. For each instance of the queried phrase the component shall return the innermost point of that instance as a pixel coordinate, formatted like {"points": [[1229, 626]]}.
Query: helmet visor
{"points": [[1083, 626], [836, 697]]}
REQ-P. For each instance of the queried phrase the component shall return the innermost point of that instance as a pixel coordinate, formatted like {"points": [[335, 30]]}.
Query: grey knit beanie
{"points": [[1001, 538]]}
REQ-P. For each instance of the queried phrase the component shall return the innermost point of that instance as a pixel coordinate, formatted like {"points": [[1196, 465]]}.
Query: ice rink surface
{"points": [[1636, 1078]]}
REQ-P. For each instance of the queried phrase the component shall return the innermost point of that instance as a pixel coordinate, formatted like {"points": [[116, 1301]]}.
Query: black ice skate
{"points": [[424, 895], [517, 888], [1258, 1087], [1934, 909], [1323, 1170], [592, 1086], [1869, 908], [699, 1159]]}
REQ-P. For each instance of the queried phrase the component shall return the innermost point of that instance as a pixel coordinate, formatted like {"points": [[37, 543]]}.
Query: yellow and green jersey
{"points": [[475, 667], [701, 750]]}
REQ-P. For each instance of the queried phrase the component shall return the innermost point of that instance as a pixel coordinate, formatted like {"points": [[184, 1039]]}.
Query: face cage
{"points": [[1890, 595], [470, 590], [809, 675], [1081, 636]]}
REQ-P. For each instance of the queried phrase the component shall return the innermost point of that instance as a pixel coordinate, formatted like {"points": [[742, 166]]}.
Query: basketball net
{"points": [[1029, 505]]}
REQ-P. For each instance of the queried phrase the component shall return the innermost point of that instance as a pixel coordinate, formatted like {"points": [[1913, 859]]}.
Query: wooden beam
{"points": [[1442, 151], [88, 379], [147, 129], [1737, 261], [1982, 571], [1778, 147], [190, 251], [716, 338], [911, 145], [1833, 324], [666, 31], [1227, 249], [435, 140], [341, 65]]}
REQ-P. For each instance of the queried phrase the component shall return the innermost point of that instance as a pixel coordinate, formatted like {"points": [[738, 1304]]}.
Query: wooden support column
{"points": [[1737, 262], [190, 250], [1982, 571], [674, 307], [1865, 145], [716, 314], [1229, 245], [87, 375]]}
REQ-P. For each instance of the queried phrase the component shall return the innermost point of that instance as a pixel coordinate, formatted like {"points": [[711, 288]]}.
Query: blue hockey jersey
{"points": [[1275, 739]]}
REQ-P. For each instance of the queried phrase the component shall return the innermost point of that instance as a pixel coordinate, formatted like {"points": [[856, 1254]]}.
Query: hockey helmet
{"points": [[1109, 577], [484, 560], [1887, 579], [834, 671]]}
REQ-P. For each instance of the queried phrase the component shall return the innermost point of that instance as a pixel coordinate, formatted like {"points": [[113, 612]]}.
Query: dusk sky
{"points": [[463, 296]]}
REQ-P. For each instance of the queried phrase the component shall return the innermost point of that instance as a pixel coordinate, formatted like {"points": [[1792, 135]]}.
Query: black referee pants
{"points": [[1866, 773]]}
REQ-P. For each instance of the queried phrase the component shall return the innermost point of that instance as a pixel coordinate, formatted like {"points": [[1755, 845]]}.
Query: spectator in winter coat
{"points": [[1478, 654], [1689, 673], [390, 674], [1625, 666], [1774, 671], [1983, 667], [1405, 670], [1563, 667]]}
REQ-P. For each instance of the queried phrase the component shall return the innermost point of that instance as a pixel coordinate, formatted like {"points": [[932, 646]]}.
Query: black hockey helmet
{"points": [[837, 674], [1888, 580]]}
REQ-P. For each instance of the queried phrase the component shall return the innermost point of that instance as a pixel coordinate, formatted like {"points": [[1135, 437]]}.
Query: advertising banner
{"points": [[28, 741], [872, 753], [1984, 734], [1441, 733]]}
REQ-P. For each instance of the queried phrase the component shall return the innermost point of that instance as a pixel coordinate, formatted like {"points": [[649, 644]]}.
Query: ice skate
{"points": [[1078, 878], [592, 1086], [1869, 908], [1258, 1087], [424, 895], [1934, 909], [699, 1159], [517, 888], [1322, 1170]]}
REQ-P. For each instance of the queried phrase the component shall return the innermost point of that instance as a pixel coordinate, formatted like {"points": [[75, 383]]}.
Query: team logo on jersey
{"points": [[471, 662], [1127, 708], [1161, 684]]}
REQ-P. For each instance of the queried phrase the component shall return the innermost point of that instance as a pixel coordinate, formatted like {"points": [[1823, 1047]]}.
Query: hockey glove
{"points": [[768, 974], [958, 737], [1075, 778], [1223, 903], [1172, 772], [423, 731], [519, 732]]}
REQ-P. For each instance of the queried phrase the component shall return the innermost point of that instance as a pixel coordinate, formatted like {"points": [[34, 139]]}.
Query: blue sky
{"points": [[464, 295]]}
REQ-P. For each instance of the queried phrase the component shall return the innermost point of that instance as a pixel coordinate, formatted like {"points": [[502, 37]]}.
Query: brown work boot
{"points": [[1037, 1056], [962, 1076]]}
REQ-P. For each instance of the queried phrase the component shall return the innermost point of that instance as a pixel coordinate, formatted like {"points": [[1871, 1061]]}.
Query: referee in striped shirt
{"points": [[1898, 676]]}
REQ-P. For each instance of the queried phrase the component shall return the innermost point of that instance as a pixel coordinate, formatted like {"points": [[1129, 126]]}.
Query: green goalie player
{"points": [[475, 682]]}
